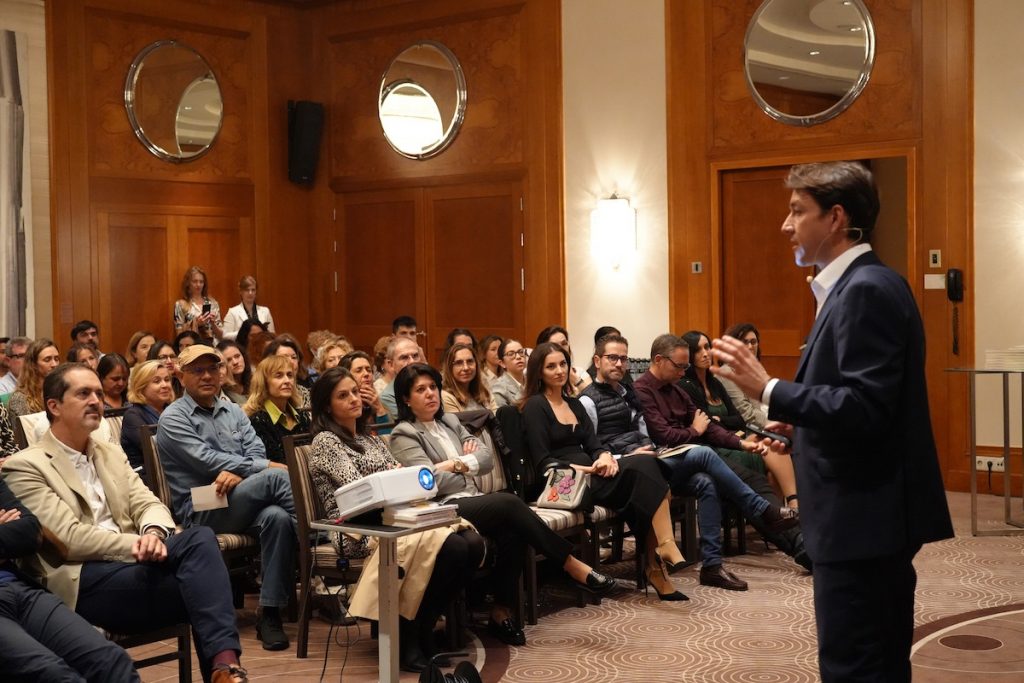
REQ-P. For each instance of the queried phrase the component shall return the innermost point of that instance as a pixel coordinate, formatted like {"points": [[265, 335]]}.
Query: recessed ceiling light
{"points": [[856, 29], [814, 53]]}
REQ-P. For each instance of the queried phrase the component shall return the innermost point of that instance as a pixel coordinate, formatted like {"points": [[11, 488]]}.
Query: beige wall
{"points": [[998, 201], [613, 61], [28, 18]]}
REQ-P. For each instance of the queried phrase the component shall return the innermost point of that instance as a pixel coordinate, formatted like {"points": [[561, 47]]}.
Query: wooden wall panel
{"points": [[377, 262], [133, 248], [114, 39], [474, 272], [260, 221], [916, 108], [492, 133], [212, 242], [758, 286], [888, 109]]}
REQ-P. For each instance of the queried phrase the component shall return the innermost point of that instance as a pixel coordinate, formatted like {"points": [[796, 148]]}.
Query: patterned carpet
{"points": [[970, 618]]}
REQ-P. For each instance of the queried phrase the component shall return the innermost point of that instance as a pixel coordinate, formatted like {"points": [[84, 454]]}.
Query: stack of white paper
{"points": [[423, 513]]}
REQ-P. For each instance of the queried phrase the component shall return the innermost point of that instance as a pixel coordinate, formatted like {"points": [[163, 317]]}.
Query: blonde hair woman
{"points": [[330, 354], [41, 357], [150, 390], [274, 406]]}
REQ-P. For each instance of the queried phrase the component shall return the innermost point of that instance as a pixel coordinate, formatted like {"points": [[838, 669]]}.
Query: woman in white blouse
{"points": [[247, 310]]}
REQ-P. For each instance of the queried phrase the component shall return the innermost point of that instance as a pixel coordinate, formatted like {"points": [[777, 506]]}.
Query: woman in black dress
{"points": [[559, 433]]}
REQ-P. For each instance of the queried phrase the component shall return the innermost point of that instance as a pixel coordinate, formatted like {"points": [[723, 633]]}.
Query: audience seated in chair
{"points": [[84, 354], [41, 358], [507, 390], [438, 563], [8, 446], [205, 441], [401, 352], [751, 410], [555, 334], [559, 434], [464, 386], [710, 396], [238, 373], [43, 639], [274, 406], [185, 339], [619, 423], [14, 358], [88, 333], [113, 372], [358, 363], [285, 345], [427, 437], [673, 420], [487, 358], [604, 331], [150, 391], [138, 347], [131, 572]]}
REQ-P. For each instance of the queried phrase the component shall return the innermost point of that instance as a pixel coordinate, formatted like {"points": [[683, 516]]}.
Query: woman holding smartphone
{"points": [[196, 310]]}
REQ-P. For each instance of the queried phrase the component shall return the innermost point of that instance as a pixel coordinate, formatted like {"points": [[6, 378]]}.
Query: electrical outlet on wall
{"points": [[983, 463]]}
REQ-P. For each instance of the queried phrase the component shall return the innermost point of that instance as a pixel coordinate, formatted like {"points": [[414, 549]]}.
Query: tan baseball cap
{"points": [[195, 352]]}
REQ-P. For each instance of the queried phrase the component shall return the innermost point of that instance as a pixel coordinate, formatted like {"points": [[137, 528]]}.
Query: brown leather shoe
{"points": [[719, 577], [229, 673]]}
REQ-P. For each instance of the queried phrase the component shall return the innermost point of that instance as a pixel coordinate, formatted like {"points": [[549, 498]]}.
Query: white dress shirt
{"points": [[94, 492], [822, 286]]}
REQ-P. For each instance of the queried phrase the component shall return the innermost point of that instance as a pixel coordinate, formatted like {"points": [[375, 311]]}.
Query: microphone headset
{"points": [[814, 259]]}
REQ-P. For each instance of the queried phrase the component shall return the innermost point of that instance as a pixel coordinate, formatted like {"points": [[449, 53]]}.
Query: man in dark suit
{"points": [[870, 487]]}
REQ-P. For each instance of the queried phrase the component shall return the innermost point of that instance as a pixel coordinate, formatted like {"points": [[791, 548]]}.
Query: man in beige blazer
{"points": [[126, 569]]}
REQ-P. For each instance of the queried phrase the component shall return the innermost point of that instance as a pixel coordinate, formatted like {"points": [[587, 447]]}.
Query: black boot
{"points": [[425, 624], [410, 654]]}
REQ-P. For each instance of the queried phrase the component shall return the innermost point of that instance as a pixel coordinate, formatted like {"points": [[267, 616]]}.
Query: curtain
{"points": [[13, 191]]}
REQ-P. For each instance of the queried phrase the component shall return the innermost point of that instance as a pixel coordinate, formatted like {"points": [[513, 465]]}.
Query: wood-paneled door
{"points": [[142, 257], [474, 247], [760, 284], [450, 256]]}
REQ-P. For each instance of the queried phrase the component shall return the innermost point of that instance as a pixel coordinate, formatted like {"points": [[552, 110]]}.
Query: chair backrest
{"points": [[519, 466], [113, 417], [483, 424], [156, 479], [308, 507], [29, 429]]}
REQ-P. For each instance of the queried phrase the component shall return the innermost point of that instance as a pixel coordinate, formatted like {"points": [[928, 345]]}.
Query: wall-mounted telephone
{"points": [[955, 285]]}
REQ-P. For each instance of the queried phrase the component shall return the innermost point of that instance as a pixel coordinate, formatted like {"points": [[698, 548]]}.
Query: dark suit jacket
{"points": [[867, 470]]}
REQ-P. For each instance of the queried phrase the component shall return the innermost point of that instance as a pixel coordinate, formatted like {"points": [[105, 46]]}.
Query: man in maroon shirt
{"points": [[673, 420]]}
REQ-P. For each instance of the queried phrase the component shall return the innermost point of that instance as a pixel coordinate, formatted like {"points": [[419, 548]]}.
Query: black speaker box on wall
{"points": [[305, 123]]}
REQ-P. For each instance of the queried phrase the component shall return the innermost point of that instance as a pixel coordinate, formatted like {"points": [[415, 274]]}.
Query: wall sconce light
{"points": [[613, 232]]}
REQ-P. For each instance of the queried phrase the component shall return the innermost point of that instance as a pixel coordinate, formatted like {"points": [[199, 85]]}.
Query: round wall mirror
{"points": [[806, 61], [422, 100], [173, 101]]}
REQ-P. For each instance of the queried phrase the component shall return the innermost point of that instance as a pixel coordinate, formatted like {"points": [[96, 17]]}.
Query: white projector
{"points": [[385, 489]]}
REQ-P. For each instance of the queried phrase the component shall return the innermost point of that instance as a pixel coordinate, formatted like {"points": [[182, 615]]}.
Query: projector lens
{"points": [[426, 478]]}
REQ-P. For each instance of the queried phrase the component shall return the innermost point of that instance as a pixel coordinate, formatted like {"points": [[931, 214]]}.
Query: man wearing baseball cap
{"points": [[205, 440]]}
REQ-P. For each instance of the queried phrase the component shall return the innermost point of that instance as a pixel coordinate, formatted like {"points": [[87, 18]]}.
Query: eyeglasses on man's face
{"points": [[615, 359], [681, 367]]}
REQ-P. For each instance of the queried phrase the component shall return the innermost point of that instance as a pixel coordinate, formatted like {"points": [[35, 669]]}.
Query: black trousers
{"points": [[456, 561], [865, 616], [512, 525], [43, 640], [192, 586]]}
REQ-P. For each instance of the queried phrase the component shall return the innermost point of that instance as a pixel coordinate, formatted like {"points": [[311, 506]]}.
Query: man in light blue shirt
{"points": [[204, 440]]}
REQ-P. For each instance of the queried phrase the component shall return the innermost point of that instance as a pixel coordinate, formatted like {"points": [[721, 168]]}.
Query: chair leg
{"points": [[185, 655], [618, 536], [305, 613]]}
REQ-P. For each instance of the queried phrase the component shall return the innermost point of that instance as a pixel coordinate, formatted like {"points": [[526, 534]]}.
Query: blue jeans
{"points": [[262, 505], [701, 473]]}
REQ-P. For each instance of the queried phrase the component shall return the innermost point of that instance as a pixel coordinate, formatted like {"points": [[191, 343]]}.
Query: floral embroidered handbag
{"points": [[564, 489]]}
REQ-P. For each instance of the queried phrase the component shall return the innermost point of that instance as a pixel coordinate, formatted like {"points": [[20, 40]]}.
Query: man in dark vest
{"points": [[619, 423]]}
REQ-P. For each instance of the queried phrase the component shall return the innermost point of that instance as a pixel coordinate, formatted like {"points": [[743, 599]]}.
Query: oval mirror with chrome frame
{"points": [[173, 101], [806, 61], [422, 100]]}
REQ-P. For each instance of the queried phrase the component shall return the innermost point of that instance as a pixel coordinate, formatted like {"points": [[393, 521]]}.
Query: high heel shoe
{"points": [[659, 581], [667, 552]]}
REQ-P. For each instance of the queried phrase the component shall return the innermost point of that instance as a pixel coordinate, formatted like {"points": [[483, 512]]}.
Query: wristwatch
{"points": [[460, 467]]}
